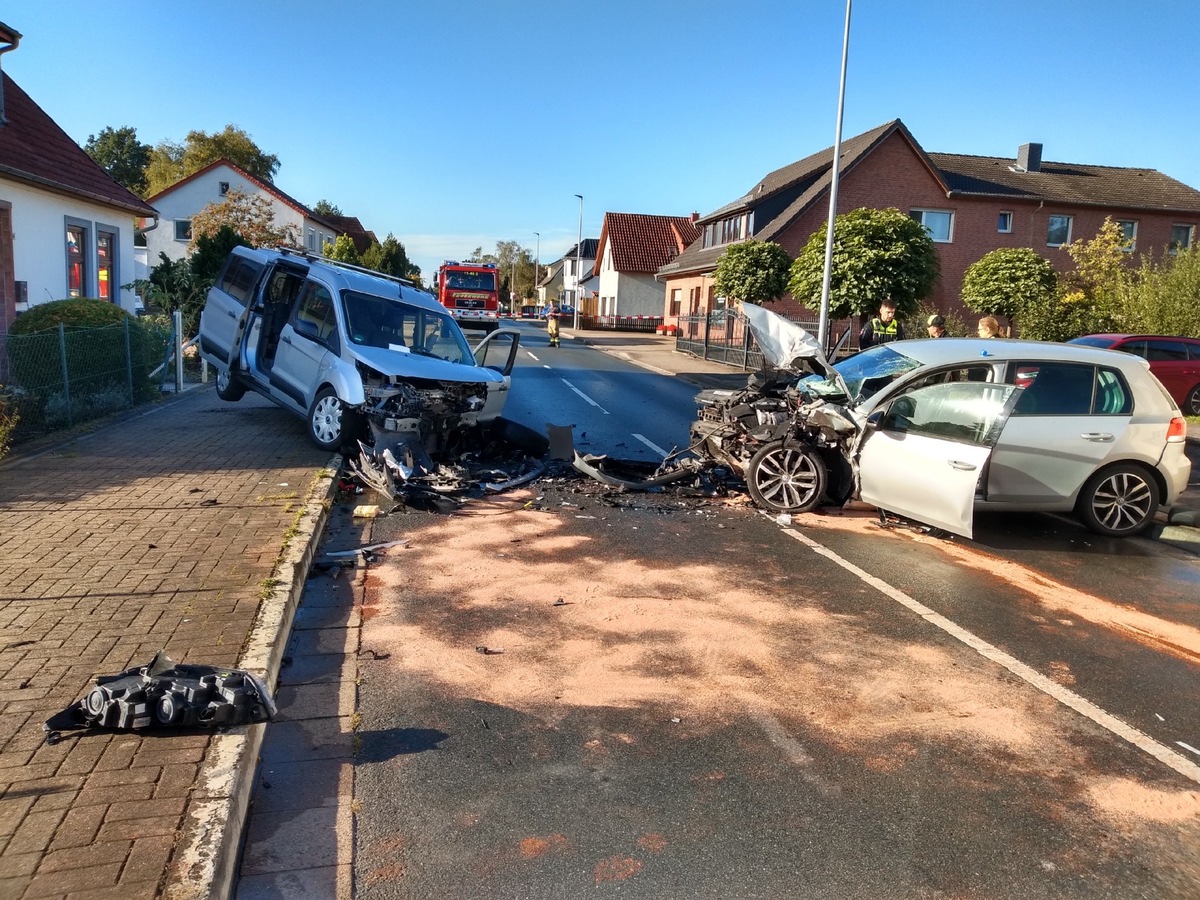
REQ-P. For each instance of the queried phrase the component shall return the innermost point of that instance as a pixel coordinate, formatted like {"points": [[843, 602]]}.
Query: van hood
{"points": [[405, 364]]}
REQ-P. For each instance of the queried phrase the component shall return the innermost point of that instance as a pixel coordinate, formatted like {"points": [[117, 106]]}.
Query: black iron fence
{"points": [[723, 336]]}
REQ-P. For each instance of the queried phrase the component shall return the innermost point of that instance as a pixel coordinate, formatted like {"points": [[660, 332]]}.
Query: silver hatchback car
{"points": [[935, 429]]}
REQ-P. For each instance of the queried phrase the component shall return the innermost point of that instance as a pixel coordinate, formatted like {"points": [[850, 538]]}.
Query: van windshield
{"points": [[373, 321]]}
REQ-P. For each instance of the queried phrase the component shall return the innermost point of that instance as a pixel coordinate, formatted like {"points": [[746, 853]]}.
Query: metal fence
{"points": [[723, 336], [621, 323], [59, 378]]}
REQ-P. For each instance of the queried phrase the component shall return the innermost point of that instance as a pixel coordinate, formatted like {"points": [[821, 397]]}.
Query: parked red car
{"points": [[1175, 361]]}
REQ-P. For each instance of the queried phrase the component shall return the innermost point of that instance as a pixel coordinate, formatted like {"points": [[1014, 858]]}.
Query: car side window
{"points": [[958, 411], [1137, 348], [1054, 389], [314, 313], [973, 372], [1167, 351], [238, 278], [1193, 350], [1112, 394]]}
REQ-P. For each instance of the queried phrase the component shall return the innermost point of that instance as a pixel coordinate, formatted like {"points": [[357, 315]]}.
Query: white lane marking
{"points": [[535, 359], [1033, 677], [585, 396], [653, 446], [1188, 747]]}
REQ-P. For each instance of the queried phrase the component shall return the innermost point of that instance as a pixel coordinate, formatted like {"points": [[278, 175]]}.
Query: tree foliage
{"points": [[753, 272], [170, 162], [1166, 296], [1004, 281], [342, 249], [183, 284], [325, 208], [249, 215], [877, 253], [391, 258], [119, 152]]}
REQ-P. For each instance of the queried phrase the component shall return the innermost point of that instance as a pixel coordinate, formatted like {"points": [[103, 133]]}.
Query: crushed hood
{"points": [[403, 363], [785, 345]]}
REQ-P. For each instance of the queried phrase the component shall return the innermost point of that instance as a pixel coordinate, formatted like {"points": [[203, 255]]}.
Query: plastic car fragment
{"points": [[634, 475], [165, 694]]}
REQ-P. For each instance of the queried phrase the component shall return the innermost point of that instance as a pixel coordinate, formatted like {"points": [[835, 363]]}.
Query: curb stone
{"points": [[205, 860]]}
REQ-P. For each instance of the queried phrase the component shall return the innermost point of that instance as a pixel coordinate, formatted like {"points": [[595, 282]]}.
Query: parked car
{"points": [[935, 429], [1175, 361], [343, 347]]}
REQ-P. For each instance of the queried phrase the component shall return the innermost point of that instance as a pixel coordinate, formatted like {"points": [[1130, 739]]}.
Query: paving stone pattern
{"points": [[156, 532]]}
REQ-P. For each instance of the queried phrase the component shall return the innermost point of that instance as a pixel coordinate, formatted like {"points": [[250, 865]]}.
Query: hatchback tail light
{"points": [[1177, 430]]}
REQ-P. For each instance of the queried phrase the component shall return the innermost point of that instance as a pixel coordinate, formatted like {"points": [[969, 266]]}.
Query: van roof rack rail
{"points": [[310, 256]]}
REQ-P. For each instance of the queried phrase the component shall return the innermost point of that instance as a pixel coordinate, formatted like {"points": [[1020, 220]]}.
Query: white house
{"points": [[66, 227], [571, 277], [632, 248], [182, 200]]}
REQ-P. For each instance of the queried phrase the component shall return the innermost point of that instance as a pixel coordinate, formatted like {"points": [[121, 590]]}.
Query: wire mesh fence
{"points": [[60, 378]]}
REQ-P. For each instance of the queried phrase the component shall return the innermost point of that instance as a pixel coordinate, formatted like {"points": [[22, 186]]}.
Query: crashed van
{"points": [[357, 354], [933, 430]]}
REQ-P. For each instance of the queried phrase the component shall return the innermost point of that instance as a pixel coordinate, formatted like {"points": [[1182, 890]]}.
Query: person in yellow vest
{"points": [[883, 328], [553, 314]]}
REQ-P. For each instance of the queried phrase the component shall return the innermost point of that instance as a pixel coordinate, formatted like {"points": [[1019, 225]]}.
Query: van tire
{"points": [[326, 420], [228, 386]]}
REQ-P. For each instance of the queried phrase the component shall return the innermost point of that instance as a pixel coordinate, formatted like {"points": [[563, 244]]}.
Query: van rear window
{"points": [[239, 277]]}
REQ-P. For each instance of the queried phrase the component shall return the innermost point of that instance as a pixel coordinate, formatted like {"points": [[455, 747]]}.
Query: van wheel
{"points": [[228, 387], [325, 420], [786, 477], [1119, 501]]}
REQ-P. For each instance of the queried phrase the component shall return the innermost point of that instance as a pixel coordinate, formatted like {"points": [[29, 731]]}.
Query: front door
{"points": [[923, 454], [304, 342]]}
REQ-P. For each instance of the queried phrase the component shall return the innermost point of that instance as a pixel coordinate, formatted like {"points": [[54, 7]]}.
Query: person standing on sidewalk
{"points": [[553, 315], [883, 328]]}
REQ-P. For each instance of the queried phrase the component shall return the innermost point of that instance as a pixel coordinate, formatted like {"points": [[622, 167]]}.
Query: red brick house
{"points": [[970, 204], [632, 248]]}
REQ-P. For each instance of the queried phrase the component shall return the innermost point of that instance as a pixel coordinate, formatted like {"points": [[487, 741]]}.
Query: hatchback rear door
{"points": [[924, 453]]}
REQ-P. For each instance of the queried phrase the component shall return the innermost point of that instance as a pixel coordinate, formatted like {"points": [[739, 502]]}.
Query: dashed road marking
{"points": [[1028, 674], [653, 446], [585, 396]]}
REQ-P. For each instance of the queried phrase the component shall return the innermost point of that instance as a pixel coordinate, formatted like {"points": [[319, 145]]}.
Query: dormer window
{"points": [[223, 187]]}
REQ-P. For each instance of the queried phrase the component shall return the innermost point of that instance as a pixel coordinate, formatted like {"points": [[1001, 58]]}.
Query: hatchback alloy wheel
{"points": [[1119, 501], [786, 477]]}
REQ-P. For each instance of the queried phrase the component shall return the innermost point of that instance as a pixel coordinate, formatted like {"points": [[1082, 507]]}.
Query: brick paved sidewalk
{"points": [[173, 529]]}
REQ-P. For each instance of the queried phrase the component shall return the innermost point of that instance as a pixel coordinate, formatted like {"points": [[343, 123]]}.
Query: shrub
{"points": [[76, 312], [8, 423]]}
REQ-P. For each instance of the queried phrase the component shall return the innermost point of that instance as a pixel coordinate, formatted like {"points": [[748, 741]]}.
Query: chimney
{"points": [[1029, 158], [695, 217]]}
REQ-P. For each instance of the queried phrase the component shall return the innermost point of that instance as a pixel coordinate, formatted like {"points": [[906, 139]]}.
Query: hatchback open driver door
{"points": [[924, 453]]}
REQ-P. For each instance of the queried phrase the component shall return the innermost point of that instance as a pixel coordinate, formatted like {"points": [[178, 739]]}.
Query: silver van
{"points": [[349, 350]]}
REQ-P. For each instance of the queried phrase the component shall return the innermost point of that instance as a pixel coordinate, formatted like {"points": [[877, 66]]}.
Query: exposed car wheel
{"points": [[1191, 403], [786, 477], [228, 387], [325, 420], [1119, 501]]}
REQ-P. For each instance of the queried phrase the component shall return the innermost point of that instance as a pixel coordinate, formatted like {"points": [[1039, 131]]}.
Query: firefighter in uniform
{"points": [[552, 319], [883, 328]]}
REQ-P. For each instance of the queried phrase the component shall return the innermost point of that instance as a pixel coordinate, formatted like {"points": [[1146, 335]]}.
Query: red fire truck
{"points": [[471, 291]]}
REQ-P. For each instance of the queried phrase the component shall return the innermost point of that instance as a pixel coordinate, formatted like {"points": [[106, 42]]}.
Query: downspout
{"points": [[11, 39]]}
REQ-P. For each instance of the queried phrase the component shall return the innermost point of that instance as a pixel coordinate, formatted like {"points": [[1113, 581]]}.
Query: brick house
{"points": [[632, 248], [970, 204], [66, 227]]}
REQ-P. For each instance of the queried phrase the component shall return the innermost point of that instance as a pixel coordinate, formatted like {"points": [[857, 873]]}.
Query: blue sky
{"points": [[457, 123]]}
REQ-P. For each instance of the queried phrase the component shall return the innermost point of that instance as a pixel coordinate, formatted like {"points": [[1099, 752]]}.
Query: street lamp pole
{"points": [[823, 322], [578, 264], [537, 265]]}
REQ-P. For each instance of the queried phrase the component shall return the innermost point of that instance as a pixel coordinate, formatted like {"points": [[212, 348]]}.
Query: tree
{"points": [[171, 286], [325, 208], [342, 249], [753, 272], [390, 258], [877, 253], [1004, 281], [1166, 296], [121, 155], [249, 215], [170, 162], [210, 253]]}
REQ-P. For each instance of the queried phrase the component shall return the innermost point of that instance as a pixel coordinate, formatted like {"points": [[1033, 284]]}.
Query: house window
{"points": [[1004, 223], [183, 229], [1058, 231], [938, 222], [1128, 234], [106, 267], [77, 274], [310, 240], [1181, 237], [676, 300], [223, 187]]}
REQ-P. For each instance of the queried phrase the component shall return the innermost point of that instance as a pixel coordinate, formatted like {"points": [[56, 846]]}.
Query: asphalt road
{"points": [[683, 698]]}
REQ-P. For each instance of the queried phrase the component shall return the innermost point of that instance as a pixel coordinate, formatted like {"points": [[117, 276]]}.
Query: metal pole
{"points": [[579, 264], [62, 355], [537, 266], [823, 323], [178, 322], [129, 362]]}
